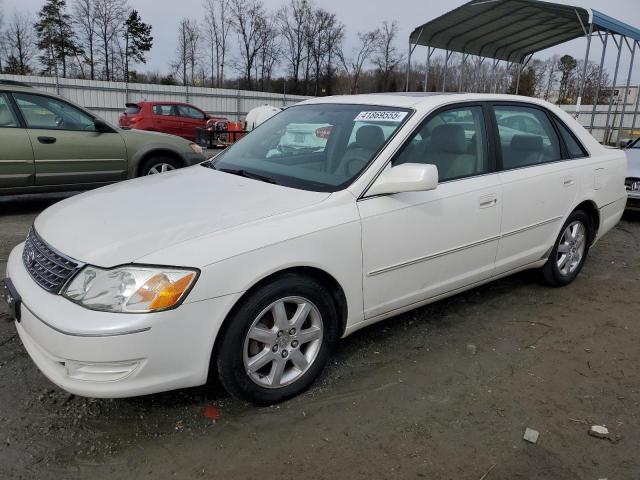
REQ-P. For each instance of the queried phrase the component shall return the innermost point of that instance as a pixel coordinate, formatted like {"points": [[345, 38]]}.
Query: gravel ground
{"points": [[445, 391]]}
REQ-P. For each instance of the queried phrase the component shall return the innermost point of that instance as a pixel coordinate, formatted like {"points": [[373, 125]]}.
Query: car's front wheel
{"points": [[570, 250], [155, 165], [278, 341]]}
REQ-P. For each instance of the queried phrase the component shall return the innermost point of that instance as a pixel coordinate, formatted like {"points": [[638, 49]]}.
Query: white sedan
{"points": [[253, 265]]}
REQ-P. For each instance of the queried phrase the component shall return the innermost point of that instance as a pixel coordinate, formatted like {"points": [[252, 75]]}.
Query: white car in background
{"points": [[252, 265], [632, 182]]}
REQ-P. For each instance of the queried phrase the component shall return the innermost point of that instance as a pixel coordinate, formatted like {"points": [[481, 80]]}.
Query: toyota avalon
{"points": [[251, 266]]}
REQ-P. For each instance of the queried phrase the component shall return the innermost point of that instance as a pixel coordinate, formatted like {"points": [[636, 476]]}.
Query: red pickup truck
{"points": [[175, 118]]}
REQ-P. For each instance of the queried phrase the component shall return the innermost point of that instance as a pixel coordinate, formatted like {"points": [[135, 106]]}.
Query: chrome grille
{"points": [[48, 268], [632, 184]]}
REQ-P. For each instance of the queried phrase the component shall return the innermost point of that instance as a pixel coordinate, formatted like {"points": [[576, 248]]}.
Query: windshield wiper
{"points": [[244, 173]]}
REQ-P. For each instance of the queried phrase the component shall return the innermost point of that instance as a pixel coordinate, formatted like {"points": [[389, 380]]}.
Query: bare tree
{"points": [[320, 44], [293, 22], [387, 57], [84, 19], [20, 43], [248, 19], [333, 41], [354, 64], [187, 50], [216, 28], [109, 20], [2, 46], [269, 54]]}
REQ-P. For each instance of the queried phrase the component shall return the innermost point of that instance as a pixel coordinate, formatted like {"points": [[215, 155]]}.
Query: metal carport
{"points": [[513, 30]]}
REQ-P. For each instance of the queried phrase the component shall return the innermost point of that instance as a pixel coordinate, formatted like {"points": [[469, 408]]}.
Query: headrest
{"points": [[527, 143], [449, 138], [370, 136]]}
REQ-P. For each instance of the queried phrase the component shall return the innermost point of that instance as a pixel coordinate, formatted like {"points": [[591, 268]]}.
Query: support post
{"points": [[584, 70], [408, 66], [613, 86], [494, 80], [595, 101], [476, 79], [635, 110], [464, 60], [426, 73], [626, 89], [446, 65], [518, 78]]}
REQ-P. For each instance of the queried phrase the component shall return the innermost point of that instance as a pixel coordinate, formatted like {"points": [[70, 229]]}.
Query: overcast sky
{"points": [[357, 15]]}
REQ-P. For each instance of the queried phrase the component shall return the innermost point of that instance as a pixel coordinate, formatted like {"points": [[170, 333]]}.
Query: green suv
{"points": [[47, 143]]}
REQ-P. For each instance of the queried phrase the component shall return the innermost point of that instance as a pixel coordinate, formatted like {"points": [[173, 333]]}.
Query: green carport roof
{"points": [[512, 29]]}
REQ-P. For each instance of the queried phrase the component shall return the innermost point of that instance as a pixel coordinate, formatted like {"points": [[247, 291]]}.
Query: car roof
{"points": [[159, 102], [422, 100]]}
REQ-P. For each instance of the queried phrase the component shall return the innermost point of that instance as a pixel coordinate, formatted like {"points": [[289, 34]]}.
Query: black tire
{"points": [[551, 272], [230, 353], [149, 164]]}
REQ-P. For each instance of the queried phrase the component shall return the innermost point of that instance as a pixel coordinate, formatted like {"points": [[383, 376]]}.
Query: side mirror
{"points": [[101, 125], [407, 177]]}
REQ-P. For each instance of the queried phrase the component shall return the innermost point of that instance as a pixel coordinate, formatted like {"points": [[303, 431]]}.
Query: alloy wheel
{"points": [[283, 342], [571, 247], [160, 168]]}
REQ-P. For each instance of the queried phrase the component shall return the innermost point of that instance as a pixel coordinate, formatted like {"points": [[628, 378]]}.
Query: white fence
{"points": [[609, 126], [107, 99]]}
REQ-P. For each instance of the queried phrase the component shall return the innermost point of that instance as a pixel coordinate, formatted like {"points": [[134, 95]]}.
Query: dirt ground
{"points": [[406, 398]]}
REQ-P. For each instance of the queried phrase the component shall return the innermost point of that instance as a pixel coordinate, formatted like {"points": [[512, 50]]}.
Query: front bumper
{"points": [[101, 354]]}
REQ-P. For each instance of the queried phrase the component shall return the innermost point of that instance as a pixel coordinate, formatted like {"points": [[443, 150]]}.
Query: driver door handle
{"points": [[488, 201], [47, 140]]}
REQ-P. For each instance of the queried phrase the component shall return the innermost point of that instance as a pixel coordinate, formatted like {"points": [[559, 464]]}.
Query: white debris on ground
{"points": [[599, 431], [531, 435]]}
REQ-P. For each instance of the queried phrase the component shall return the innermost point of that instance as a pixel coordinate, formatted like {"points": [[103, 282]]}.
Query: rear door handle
{"points": [[47, 140], [487, 201], [568, 181]]}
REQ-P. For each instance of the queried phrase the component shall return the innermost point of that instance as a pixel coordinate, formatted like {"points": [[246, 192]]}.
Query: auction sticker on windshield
{"points": [[382, 116]]}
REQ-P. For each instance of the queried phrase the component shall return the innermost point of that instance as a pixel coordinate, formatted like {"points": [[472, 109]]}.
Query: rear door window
{"points": [[526, 135], [165, 110]]}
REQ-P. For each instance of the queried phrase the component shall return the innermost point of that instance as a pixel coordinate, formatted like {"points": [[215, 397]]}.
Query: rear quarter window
{"points": [[574, 147]]}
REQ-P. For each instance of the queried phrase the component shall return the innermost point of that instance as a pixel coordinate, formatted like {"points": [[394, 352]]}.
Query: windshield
{"points": [[313, 147]]}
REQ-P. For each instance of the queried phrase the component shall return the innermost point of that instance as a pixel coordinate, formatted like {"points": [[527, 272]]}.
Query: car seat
{"points": [[448, 150], [369, 138]]}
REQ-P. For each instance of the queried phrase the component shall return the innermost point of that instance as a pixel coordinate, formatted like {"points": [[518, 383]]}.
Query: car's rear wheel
{"points": [[278, 341], [155, 165], [570, 250]]}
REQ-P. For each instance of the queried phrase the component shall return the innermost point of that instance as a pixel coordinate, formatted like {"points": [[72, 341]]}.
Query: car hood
{"points": [[126, 221]]}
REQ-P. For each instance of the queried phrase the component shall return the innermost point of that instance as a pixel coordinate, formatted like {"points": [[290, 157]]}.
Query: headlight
{"points": [[133, 289], [196, 148]]}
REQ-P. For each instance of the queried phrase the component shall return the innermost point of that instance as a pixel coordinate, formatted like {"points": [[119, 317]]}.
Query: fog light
{"points": [[100, 371]]}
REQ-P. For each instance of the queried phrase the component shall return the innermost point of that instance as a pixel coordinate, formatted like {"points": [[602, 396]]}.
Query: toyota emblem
{"points": [[31, 257]]}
